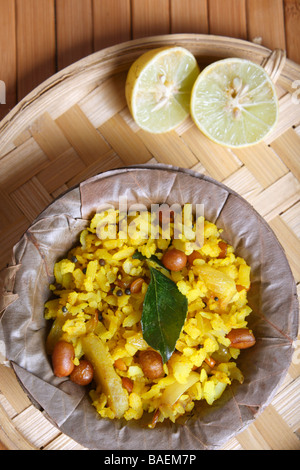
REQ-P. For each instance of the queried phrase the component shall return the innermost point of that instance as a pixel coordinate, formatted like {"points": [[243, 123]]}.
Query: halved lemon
{"points": [[158, 88], [234, 102]]}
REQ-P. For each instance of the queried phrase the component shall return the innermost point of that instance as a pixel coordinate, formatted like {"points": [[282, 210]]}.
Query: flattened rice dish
{"points": [[150, 324]]}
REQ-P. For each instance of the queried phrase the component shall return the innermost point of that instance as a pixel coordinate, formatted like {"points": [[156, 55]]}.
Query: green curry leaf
{"points": [[153, 258], [164, 314]]}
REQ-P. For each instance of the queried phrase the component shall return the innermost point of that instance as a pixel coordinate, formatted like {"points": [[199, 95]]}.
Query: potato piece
{"points": [[222, 285], [174, 391], [244, 276], [105, 374]]}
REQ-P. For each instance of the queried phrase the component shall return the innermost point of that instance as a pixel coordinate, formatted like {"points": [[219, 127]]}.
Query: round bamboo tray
{"points": [[76, 124]]}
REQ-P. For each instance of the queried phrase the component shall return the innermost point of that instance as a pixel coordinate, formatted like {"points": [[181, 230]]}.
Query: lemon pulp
{"points": [[234, 102], [158, 88]]}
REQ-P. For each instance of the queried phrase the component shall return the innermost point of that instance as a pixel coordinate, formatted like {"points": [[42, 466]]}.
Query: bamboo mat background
{"points": [[41, 37]]}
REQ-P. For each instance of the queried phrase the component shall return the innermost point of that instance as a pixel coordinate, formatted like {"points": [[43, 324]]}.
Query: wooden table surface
{"points": [[40, 37]]}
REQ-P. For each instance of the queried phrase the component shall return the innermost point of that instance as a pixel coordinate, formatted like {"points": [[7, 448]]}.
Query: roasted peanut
{"points": [[210, 362], [62, 359], [239, 288], [83, 373], [151, 364], [128, 384], [154, 419], [241, 338], [136, 285], [174, 260], [193, 256], [223, 247], [120, 364]]}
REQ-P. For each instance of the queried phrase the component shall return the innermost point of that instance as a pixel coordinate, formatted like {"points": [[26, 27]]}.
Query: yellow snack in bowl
{"points": [[101, 289]]}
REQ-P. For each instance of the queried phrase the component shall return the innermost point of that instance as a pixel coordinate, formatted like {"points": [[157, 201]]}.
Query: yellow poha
{"points": [[93, 302]]}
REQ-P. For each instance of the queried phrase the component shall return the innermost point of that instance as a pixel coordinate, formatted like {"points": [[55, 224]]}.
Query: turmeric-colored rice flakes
{"points": [[99, 291]]}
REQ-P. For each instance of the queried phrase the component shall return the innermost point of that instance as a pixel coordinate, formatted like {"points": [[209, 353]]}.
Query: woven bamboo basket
{"points": [[77, 124]]}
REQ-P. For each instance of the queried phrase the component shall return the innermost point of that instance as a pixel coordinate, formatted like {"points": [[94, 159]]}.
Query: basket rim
{"points": [[258, 51]]}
